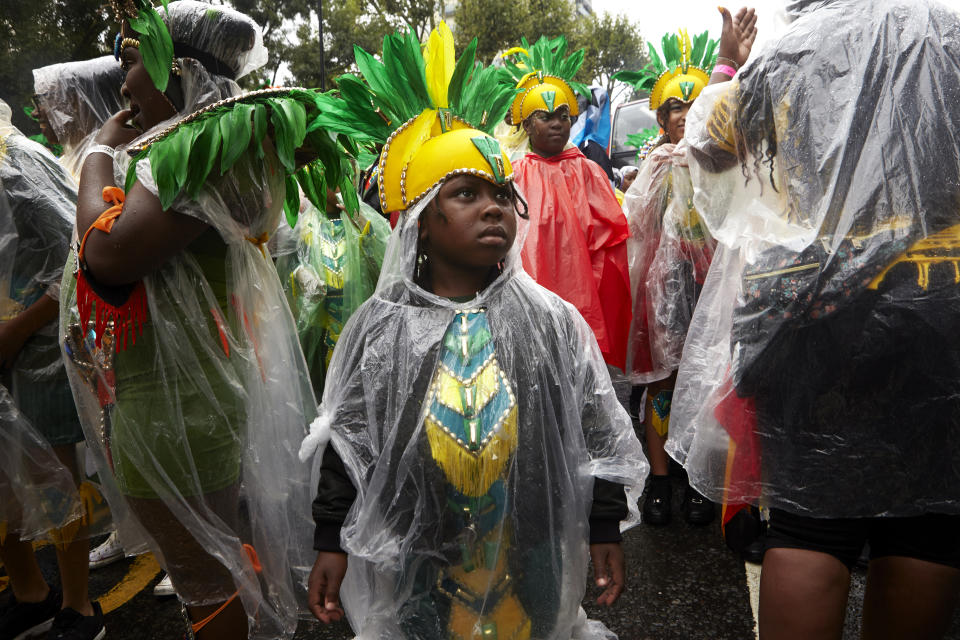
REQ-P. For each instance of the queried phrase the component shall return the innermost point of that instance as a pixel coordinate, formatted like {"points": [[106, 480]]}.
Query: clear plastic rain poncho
{"points": [[195, 426], [821, 372], [669, 251], [437, 532], [77, 98], [37, 493], [328, 270], [37, 203]]}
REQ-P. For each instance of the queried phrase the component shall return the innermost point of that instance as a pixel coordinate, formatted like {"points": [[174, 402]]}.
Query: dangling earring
{"points": [[423, 263]]}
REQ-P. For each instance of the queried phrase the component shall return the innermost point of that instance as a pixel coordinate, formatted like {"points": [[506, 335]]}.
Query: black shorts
{"points": [[933, 537]]}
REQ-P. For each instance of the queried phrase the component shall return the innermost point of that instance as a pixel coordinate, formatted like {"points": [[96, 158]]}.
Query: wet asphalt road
{"points": [[682, 584]]}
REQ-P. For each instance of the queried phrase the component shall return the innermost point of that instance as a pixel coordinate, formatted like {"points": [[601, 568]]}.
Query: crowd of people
{"points": [[354, 353]]}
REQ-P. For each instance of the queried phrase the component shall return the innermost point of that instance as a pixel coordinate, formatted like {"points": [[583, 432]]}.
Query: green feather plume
{"points": [[702, 55], [392, 90], [548, 55], [209, 143]]}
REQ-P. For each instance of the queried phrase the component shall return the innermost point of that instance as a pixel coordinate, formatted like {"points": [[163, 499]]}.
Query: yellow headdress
{"points": [[545, 77], [682, 73], [542, 93], [432, 113]]}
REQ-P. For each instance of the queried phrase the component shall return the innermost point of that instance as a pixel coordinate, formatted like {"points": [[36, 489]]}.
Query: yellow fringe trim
{"points": [[473, 473]]}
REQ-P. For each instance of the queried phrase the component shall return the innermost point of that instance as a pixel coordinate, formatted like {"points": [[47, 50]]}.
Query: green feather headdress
{"points": [[547, 56], [645, 140], [406, 81], [681, 72], [156, 45], [210, 141]]}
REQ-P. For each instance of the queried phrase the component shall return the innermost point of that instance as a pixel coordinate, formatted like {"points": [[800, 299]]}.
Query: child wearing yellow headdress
{"points": [[478, 449], [576, 244], [670, 252]]}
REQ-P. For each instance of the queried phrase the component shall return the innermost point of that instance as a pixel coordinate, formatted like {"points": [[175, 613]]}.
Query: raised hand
{"points": [[738, 35]]}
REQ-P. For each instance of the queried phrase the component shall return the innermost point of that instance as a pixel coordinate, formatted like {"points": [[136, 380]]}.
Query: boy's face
{"points": [[548, 132], [471, 223]]}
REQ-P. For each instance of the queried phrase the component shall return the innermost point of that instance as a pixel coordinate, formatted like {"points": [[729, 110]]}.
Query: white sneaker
{"points": [[107, 553], [164, 588]]}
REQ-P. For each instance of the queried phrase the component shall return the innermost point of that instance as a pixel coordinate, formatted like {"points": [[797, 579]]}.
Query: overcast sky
{"points": [[656, 17]]}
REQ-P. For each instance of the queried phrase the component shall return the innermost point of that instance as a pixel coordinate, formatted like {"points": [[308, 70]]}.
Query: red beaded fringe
{"points": [[127, 319]]}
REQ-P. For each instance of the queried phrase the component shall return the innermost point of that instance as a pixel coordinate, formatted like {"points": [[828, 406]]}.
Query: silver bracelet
{"points": [[98, 148]]}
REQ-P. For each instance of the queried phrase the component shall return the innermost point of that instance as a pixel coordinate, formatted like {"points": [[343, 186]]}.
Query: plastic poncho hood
{"points": [[822, 352], [78, 97], [402, 533]]}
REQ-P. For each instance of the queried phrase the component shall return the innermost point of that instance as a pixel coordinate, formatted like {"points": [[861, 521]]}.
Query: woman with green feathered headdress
{"points": [[669, 250], [183, 356], [468, 424]]}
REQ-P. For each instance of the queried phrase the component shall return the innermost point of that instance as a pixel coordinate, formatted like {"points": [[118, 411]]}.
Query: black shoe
{"points": [[697, 510], [19, 620], [657, 507], [70, 625]]}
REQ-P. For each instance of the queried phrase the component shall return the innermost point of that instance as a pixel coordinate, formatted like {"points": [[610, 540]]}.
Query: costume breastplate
{"points": [[471, 426]]}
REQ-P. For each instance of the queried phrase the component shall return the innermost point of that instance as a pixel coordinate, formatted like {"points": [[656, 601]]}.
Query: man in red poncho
{"points": [[576, 244]]}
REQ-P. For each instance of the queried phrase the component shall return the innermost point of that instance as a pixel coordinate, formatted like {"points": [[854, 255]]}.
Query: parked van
{"points": [[630, 117]]}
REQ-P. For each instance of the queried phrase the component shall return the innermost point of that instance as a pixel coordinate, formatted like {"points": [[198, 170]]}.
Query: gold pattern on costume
{"points": [[940, 248], [720, 124], [471, 426]]}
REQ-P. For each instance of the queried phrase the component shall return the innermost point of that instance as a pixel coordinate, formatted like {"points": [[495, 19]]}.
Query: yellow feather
{"points": [[512, 51], [686, 46], [440, 59]]}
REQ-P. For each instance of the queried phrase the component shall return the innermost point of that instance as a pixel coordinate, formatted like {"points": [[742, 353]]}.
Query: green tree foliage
{"points": [[274, 16], [354, 22], [499, 24], [611, 44], [42, 32]]}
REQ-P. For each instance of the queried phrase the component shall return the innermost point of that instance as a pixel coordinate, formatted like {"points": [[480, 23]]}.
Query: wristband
{"points": [[733, 63], [725, 70], [98, 148]]}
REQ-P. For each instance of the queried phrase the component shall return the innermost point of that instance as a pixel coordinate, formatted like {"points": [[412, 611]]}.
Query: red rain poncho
{"points": [[577, 243]]}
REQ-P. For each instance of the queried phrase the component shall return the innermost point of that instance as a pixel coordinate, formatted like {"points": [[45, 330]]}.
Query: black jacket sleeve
{"points": [[335, 496], [609, 508]]}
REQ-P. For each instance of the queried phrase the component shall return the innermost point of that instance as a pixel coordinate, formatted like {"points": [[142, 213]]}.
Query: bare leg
{"points": [[909, 598], [74, 559], [192, 569], [803, 595], [659, 461], [21, 564], [229, 624]]}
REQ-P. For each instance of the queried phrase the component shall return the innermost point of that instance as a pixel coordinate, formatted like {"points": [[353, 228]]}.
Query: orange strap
{"points": [[255, 561], [105, 220]]}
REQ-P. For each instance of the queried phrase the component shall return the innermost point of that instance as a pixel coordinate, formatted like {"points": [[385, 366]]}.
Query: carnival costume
{"points": [[77, 98], [473, 431], [191, 383], [329, 269], [37, 205], [576, 243], [821, 373], [669, 249]]}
